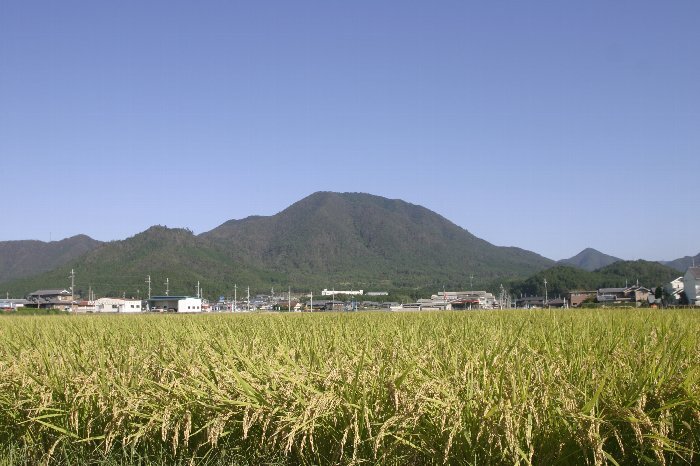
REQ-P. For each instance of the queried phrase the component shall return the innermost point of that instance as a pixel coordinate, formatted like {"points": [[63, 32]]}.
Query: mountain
{"points": [[683, 263], [325, 240], [26, 258], [362, 240], [589, 259], [121, 267], [562, 279]]}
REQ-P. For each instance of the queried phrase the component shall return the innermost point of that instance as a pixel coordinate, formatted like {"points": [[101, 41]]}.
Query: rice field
{"points": [[494, 387]]}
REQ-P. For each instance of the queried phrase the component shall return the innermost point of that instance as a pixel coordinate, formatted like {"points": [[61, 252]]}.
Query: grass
{"points": [[497, 387]]}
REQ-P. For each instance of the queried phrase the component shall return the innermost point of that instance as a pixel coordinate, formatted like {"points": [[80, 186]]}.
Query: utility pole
{"points": [[289, 297], [72, 287], [471, 279], [198, 295], [545, 292], [247, 306], [312, 300], [167, 287], [148, 280], [235, 298]]}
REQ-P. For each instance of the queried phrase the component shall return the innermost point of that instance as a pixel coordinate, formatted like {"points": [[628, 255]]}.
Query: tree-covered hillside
{"points": [[323, 241], [26, 258], [563, 279], [362, 240], [121, 267]]}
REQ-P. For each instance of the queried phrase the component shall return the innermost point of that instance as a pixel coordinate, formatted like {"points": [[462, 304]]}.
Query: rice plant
{"points": [[493, 387]]}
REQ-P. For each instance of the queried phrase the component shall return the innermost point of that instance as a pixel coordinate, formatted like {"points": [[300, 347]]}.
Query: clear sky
{"points": [[548, 125]]}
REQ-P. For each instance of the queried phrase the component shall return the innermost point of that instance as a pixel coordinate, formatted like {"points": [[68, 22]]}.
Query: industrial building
{"points": [[117, 305], [182, 304]]}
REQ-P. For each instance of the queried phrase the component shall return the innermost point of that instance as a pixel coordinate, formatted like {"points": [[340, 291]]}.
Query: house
{"points": [[316, 305], [117, 305], [50, 299], [612, 295], [639, 294], [12, 304], [466, 299], [528, 302], [181, 304], [691, 285], [334, 305], [576, 298], [673, 290], [629, 294], [557, 302], [434, 305]]}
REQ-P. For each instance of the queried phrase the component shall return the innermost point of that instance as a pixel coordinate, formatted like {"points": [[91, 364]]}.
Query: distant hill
{"points": [[121, 267], [20, 259], [325, 240], [562, 279], [364, 240], [589, 259], [683, 263]]}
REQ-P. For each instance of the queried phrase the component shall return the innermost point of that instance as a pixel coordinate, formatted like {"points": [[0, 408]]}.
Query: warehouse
{"points": [[174, 304], [117, 305]]}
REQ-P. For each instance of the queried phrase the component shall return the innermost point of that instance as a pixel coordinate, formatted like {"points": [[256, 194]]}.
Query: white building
{"points": [[12, 304], [117, 305], [467, 299], [674, 288], [691, 285], [175, 304], [326, 292]]}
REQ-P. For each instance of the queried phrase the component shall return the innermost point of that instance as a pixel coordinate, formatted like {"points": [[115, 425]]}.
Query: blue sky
{"points": [[547, 125]]}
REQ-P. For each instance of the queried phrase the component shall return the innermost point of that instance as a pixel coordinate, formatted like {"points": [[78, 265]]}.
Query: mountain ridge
{"points": [[24, 258], [326, 239], [682, 264]]}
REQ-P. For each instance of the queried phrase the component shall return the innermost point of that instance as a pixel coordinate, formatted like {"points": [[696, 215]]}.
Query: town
{"points": [[684, 290]]}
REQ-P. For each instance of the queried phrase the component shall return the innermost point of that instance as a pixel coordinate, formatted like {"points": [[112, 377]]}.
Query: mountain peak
{"points": [[590, 259], [359, 236]]}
